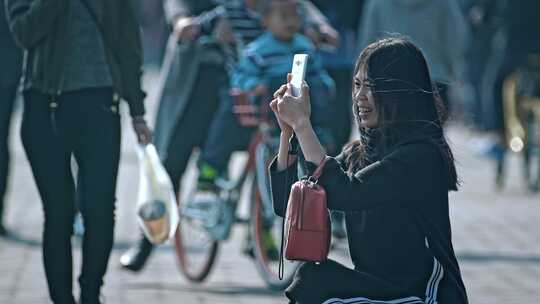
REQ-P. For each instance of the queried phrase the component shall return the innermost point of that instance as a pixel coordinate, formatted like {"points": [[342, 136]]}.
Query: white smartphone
{"points": [[298, 72]]}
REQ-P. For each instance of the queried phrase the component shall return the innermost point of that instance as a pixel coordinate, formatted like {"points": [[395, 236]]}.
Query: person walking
{"points": [[392, 184], [10, 73], [82, 57]]}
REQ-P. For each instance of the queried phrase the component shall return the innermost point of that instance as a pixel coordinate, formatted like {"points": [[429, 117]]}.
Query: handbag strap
{"points": [[317, 173], [292, 149]]}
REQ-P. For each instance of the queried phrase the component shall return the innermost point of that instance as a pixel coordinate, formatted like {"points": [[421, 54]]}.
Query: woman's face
{"points": [[364, 101]]}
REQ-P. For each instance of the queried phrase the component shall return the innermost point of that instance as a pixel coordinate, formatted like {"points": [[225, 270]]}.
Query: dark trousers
{"points": [[85, 126], [7, 99], [192, 128], [317, 283]]}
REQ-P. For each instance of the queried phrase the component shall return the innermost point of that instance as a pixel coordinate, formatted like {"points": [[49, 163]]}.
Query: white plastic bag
{"points": [[157, 212]]}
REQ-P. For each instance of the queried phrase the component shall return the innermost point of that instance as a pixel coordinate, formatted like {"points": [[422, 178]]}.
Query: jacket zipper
{"points": [[53, 102]]}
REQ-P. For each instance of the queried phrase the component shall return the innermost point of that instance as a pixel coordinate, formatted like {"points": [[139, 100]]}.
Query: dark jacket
{"points": [[39, 26], [10, 55], [397, 217]]}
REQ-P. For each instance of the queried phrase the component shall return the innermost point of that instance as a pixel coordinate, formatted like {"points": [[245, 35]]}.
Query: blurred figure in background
{"points": [[261, 69], [484, 17], [515, 40], [192, 70], [437, 27], [202, 50], [10, 73], [154, 30], [344, 16]]}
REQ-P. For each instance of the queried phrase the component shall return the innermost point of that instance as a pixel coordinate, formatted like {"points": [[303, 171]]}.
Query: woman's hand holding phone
{"points": [[292, 112]]}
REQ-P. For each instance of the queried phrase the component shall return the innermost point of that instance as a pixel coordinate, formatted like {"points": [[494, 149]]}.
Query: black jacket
{"points": [[10, 55], [39, 26], [397, 216]]}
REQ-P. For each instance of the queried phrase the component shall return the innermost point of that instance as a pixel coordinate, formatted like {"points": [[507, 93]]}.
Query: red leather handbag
{"points": [[307, 221]]}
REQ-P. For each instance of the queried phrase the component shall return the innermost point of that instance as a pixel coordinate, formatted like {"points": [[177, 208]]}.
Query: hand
{"points": [[186, 29], [314, 35], [321, 35], [142, 131], [224, 32], [329, 35], [293, 112]]}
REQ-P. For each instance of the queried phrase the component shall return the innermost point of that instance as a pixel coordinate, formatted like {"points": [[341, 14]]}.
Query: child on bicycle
{"points": [[261, 68]]}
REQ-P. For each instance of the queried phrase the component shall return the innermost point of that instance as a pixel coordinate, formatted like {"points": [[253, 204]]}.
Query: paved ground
{"points": [[496, 237]]}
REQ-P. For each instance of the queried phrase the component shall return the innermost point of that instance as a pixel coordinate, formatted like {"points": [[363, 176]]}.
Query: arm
{"points": [[281, 180], [294, 112], [134, 94], [408, 173], [32, 20], [316, 26]]}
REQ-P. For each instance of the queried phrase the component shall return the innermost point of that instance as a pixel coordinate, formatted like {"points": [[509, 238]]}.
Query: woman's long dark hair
{"points": [[408, 105]]}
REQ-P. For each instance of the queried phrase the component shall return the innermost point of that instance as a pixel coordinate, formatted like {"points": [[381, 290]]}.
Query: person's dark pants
{"points": [[492, 100], [192, 128], [228, 135], [7, 100], [317, 283], [87, 126], [476, 62]]}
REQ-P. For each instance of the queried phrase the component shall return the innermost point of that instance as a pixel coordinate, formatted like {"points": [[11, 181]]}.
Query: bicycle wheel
{"points": [[195, 249], [266, 228]]}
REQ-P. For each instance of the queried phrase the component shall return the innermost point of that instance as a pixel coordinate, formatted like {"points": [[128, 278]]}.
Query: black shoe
{"points": [[135, 258]]}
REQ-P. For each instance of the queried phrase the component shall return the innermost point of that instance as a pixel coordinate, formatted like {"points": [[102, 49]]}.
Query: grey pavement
{"points": [[495, 233]]}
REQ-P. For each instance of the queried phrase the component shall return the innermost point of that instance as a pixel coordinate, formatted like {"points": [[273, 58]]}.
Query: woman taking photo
{"points": [[392, 184]]}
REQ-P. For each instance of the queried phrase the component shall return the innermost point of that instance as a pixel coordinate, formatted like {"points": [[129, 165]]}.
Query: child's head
{"points": [[282, 18]]}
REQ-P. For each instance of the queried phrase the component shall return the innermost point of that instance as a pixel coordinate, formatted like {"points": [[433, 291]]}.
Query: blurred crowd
{"points": [[205, 48]]}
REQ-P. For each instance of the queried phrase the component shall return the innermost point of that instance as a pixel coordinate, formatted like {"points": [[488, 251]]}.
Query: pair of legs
{"points": [[7, 100], [190, 132], [314, 283], [86, 125]]}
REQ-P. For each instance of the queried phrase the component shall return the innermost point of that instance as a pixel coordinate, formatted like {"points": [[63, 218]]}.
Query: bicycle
{"points": [[521, 105], [195, 244]]}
